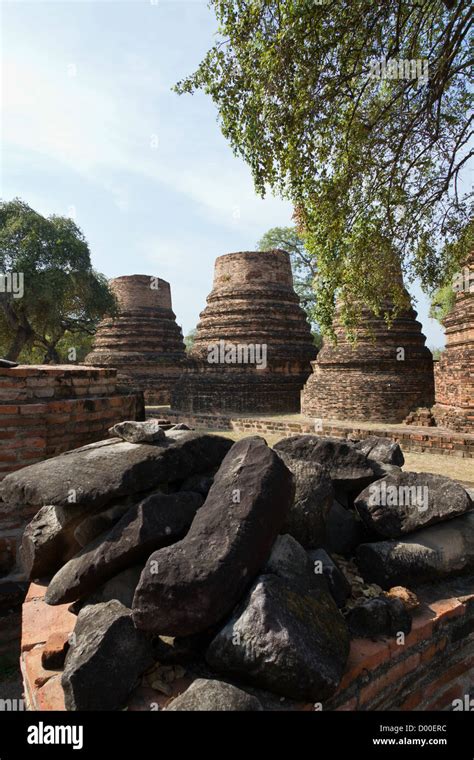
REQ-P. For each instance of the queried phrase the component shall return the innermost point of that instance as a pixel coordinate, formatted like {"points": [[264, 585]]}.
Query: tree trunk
{"points": [[20, 328], [51, 356], [20, 340]]}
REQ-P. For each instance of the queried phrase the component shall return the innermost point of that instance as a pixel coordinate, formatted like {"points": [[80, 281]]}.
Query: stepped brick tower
{"points": [[384, 375], [253, 345], [454, 373], [143, 341]]}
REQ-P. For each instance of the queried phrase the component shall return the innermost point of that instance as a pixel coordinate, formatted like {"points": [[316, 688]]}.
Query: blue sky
{"points": [[91, 129]]}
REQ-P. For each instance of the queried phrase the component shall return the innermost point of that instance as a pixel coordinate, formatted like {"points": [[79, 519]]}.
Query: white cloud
{"points": [[99, 132]]}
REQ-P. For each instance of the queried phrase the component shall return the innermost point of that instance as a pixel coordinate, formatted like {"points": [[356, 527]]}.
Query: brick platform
{"points": [[433, 667], [410, 437], [45, 410]]}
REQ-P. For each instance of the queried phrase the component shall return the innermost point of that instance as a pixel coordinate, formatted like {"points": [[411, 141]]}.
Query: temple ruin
{"points": [[385, 374], [454, 380], [44, 411], [143, 341], [253, 346]]}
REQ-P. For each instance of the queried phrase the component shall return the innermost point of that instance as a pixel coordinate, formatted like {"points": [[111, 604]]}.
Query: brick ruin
{"points": [[384, 375], [252, 304], [45, 410], [433, 668], [454, 378], [143, 341], [343, 604]]}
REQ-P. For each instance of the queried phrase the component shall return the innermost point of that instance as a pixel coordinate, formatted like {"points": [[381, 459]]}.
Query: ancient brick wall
{"points": [[45, 410], [143, 341], [252, 303], [410, 438], [454, 373]]}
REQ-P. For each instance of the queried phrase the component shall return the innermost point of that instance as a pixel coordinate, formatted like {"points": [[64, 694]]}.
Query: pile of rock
{"points": [[233, 563]]}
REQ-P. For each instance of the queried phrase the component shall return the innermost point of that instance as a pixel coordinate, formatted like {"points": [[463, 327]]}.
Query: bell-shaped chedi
{"points": [[454, 377], [143, 340], [253, 345], [383, 375]]}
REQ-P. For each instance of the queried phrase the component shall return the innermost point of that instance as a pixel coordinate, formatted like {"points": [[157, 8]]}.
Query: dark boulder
{"points": [[289, 561], [49, 540], [429, 554], [138, 432], [406, 501], [346, 467], [379, 617], [381, 449], [121, 587], [284, 640], [157, 521], [306, 520], [97, 474], [210, 695], [100, 522], [201, 483], [106, 657], [186, 588], [344, 532], [339, 586]]}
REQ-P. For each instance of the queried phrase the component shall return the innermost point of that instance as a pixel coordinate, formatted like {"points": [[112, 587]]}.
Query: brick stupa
{"points": [[384, 375], [252, 308], [454, 373], [143, 341]]}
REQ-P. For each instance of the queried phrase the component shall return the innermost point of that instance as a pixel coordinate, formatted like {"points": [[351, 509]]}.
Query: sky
{"points": [[91, 129]]}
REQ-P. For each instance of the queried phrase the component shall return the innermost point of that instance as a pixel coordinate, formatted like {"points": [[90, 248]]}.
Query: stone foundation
{"points": [[143, 341], [434, 667], [454, 374], [382, 377], [410, 437], [252, 304]]}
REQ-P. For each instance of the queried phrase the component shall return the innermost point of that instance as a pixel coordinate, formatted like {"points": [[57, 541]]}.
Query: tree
{"points": [[442, 302], [360, 114], [302, 264], [443, 298], [62, 297], [190, 338]]}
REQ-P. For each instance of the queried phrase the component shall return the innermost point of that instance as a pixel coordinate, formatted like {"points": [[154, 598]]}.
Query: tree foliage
{"points": [[63, 299], [324, 101], [303, 266], [442, 302], [190, 338]]}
